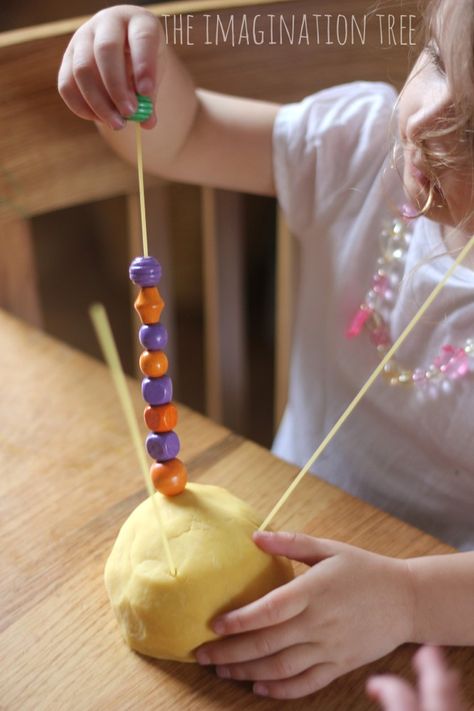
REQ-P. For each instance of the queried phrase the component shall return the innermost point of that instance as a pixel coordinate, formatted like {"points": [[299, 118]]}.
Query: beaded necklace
{"points": [[373, 316]]}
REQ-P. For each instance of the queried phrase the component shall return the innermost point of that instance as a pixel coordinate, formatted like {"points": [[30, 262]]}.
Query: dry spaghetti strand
{"points": [[141, 188]]}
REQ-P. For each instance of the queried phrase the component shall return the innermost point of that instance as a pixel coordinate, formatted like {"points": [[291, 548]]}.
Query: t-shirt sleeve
{"points": [[328, 149]]}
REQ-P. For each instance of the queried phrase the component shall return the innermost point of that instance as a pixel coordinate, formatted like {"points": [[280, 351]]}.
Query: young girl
{"points": [[367, 264]]}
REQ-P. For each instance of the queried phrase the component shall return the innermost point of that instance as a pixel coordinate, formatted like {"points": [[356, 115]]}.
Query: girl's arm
{"points": [[443, 587], [198, 136]]}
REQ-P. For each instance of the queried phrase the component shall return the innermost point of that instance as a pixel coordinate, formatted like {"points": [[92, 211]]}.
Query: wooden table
{"points": [[69, 479]]}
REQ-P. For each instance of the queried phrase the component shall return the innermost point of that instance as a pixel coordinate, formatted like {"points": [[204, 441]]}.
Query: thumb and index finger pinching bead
{"points": [[144, 109], [168, 473]]}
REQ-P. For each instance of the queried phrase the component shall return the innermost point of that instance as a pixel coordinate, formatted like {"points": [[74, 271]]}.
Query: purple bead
{"points": [[153, 337], [145, 271], [162, 446], [157, 391]]}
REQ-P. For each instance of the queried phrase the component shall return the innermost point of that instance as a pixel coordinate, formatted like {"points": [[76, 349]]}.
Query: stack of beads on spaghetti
{"points": [[168, 473]]}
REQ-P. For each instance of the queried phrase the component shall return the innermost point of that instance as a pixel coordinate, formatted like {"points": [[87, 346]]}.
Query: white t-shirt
{"points": [[403, 451]]}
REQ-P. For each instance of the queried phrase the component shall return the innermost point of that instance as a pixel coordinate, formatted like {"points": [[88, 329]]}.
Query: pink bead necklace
{"points": [[373, 316]]}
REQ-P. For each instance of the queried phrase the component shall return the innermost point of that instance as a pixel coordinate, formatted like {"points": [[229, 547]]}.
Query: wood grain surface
{"points": [[68, 481]]}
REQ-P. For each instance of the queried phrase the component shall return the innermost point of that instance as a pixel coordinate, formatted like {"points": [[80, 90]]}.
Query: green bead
{"points": [[144, 109]]}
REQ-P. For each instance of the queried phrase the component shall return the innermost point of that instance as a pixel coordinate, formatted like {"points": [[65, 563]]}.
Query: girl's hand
{"points": [[350, 608], [439, 688], [117, 53]]}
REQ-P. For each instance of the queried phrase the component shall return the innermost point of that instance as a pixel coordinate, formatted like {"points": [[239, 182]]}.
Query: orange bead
{"points": [[161, 418], [154, 364], [149, 304], [169, 478]]}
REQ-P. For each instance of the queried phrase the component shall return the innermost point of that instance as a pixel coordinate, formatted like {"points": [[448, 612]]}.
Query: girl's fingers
{"points": [[282, 665], [69, 90], [149, 123], [108, 60], [277, 606], [303, 684], [297, 546], [252, 645], [439, 687], [87, 78], [109, 55], [145, 40], [392, 693]]}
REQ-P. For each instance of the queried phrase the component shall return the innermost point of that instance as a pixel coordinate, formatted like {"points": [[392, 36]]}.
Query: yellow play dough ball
{"points": [[219, 568]]}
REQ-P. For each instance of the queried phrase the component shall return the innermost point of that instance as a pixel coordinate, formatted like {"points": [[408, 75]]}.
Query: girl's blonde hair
{"points": [[455, 26], [451, 24]]}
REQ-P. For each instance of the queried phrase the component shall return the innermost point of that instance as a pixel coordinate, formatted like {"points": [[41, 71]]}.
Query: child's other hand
{"points": [[109, 58], [350, 608], [439, 688]]}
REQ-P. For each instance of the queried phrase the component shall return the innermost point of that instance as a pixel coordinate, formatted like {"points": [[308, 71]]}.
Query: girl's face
{"points": [[424, 104]]}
